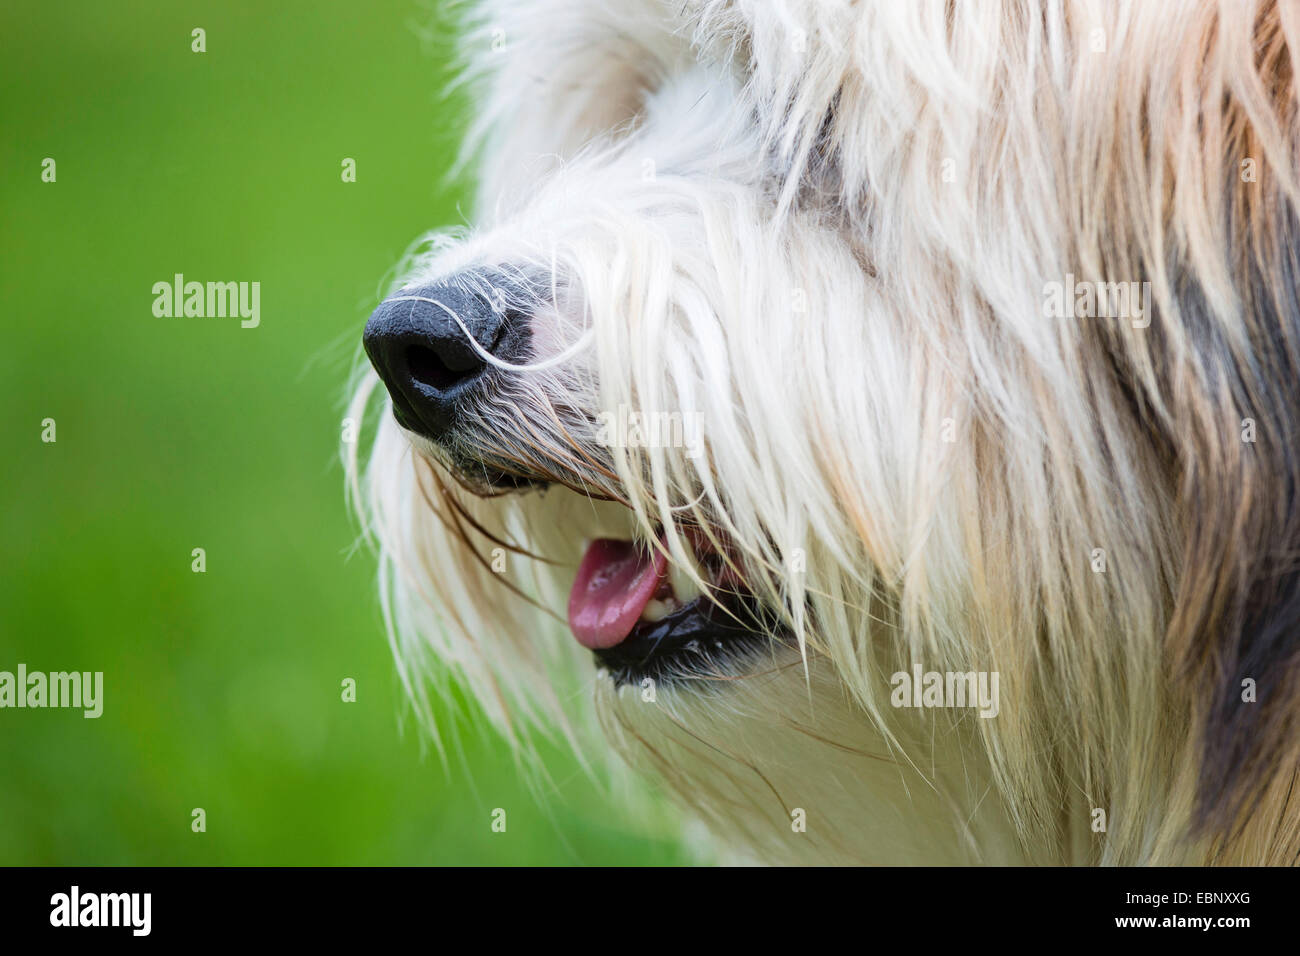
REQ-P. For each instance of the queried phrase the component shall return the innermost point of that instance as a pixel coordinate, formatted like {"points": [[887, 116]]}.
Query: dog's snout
{"points": [[422, 342]]}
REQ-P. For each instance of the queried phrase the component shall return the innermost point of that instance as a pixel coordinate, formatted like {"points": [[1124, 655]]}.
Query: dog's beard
{"points": [[744, 737]]}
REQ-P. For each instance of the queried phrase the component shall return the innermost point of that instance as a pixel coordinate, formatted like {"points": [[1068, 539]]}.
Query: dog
{"points": [[878, 420]]}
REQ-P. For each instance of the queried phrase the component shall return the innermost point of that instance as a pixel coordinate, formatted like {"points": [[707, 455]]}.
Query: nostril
{"points": [[436, 349], [428, 368]]}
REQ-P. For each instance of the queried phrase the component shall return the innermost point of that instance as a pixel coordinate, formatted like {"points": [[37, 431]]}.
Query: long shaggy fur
{"points": [[826, 228]]}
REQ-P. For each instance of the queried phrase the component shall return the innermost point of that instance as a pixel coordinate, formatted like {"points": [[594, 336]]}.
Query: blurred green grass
{"points": [[222, 690]]}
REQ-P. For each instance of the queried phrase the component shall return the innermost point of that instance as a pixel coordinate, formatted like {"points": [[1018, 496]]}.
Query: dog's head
{"points": [[800, 352]]}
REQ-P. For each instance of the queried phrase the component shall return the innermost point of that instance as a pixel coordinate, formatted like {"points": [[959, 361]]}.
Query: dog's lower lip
{"points": [[641, 618], [694, 641]]}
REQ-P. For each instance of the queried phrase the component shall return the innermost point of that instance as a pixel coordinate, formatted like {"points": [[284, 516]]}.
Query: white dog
{"points": [[889, 409]]}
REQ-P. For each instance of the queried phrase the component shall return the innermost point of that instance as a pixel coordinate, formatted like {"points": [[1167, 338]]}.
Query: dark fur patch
{"points": [[1242, 571]]}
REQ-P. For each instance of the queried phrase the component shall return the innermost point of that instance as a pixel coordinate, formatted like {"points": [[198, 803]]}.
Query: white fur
{"points": [[742, 211]]}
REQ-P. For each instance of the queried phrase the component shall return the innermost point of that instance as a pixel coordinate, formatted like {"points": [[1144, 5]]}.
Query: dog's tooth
{"points": [[685, 589], [655, 610]]}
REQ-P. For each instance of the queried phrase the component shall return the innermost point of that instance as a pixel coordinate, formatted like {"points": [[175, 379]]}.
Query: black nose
{"points": [[425, 357]]}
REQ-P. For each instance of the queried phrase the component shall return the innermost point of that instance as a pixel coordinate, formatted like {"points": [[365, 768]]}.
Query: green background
{"points": [[222, 689]]}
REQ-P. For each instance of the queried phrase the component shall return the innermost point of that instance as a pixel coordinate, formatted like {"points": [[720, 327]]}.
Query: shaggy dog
{"points": [[896, 401]]}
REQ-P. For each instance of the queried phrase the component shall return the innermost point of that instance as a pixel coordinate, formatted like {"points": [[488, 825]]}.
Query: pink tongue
{"points": [[615, 582]]}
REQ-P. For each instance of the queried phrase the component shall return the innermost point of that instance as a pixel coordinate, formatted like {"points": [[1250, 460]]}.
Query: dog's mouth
{"points": [[643, 616]]}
